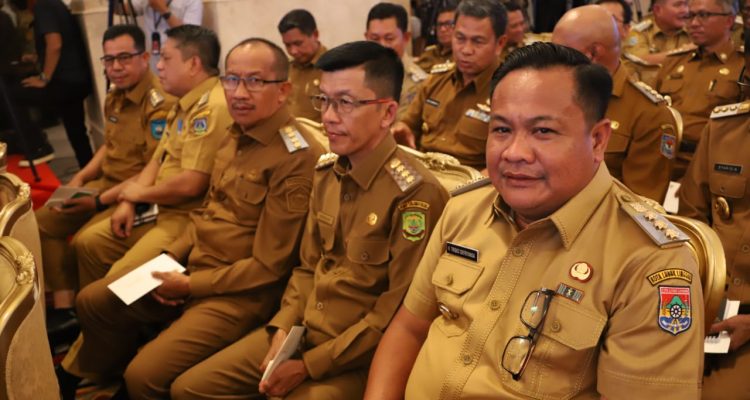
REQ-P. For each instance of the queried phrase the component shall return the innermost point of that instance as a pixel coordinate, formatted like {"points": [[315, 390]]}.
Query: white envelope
{"points": [[139, 281]]}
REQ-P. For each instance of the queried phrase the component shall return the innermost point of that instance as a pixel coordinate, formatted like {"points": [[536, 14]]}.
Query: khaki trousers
{"points": [[234, 373], [730, 381]]}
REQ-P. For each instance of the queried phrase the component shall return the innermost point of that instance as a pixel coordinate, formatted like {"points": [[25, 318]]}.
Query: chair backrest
{"points": [[678, 125], [26, 370], [707, 249]]}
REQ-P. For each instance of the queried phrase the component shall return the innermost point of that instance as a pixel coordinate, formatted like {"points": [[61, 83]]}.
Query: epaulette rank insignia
{"points": [[681, 50], [155, 98], [204, 99], [730, 110], [647, 91], [440, 68], [326, 160], [634, 58], [471, 185], [293, 139], [654, 223], [416, 74], [404, 174], [643, 25]]}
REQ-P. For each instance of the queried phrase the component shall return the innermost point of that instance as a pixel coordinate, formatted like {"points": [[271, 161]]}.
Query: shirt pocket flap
{"points": [[367, 251], [454, 276], [728, 186], [670, 86], [251, 192], [572, 326], [473, 127]]}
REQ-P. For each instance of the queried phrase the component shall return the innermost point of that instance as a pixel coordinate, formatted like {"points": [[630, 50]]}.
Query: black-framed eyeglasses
{"points": [[703, 15], [342, 105], [252, 83], [122, 58], [445, 25], [519, 348]]}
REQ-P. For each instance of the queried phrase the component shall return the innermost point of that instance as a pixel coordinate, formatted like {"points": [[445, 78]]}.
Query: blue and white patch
{"points": [[157, 128], [179, 126], [668, 146], [200, 125]]}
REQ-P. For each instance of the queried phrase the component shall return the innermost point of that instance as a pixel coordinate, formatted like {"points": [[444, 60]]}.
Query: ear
{"points": [[407, 37], [315, 34], [599, 134], [500, 44], [196, 66], [389, 116], [285, 89]]}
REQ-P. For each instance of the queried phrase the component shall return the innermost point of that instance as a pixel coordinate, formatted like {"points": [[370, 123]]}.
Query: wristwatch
{"points": [[98, 204], [166, 15], [43, 77]]}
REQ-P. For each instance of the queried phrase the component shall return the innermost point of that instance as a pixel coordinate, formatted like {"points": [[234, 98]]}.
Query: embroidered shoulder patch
{"points": [[157, 128], [675, 309], [413, 225], [670, 273]]}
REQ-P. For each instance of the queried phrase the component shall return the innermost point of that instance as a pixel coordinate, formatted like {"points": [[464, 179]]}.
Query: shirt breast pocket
{"points": [[729, 186], [453, 282], [670, 86], [250, 197], [562, 360], [473, 132], [726, 91]]}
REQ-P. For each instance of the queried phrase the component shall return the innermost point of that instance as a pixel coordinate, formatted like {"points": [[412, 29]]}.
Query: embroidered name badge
{"points": [[668, 146], [200, 125], [462, 251], [433, 102], [569, 292], [671, 273], [675, 314], [413, 225], [728, 168], [478, 115], [157, 128]]}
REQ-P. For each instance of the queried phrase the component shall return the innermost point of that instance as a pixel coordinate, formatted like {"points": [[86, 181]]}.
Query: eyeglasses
{"points": [[445, 25], [519, 348], [703, 15], [343, 105], [252, 83], [122, 58]]}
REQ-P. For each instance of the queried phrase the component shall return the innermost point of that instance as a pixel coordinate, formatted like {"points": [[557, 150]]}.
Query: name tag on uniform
{"points": [[462, 251], [478, 115], [433, 102], [728, 168]]}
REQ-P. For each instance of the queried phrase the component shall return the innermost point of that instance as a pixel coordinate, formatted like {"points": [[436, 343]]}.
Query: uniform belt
{"points": [[688, 146], [744, 309]]}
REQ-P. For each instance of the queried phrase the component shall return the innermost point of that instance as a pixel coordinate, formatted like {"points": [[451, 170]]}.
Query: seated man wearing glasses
{"points": [[699, 80], [372, 210], [556, 281]]}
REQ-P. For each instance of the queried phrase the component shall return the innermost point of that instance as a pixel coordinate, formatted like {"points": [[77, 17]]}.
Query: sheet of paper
{"points": [[290, 345], [719, 344], [671, 201], [139, 281], [63, 193]]}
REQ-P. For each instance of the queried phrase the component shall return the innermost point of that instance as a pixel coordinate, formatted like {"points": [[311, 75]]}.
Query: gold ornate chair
{"points": [[26, 370]]}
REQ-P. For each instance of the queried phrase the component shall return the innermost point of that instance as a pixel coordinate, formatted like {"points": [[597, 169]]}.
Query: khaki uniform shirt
{"points": [[135, 121], [247, 233], [646, 38], [644, 137], [697, 82], [608, 328], [195, 128], [433, 55], [451, 118], [715, 190], [366, 230], [413, 77], [305, 80], [643, 70]]}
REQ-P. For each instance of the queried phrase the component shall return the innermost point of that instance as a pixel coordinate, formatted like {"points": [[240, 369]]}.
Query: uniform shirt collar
{"points": [[321, 49], [265, 131], [195, 94], [443, 51], [619, 79], [569, 219], [136, 93], [482, 82], [727, 49], [364, 174]]}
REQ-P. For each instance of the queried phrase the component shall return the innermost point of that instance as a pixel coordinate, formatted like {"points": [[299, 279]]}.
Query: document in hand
{"points": [[63, 193], [290, 345], [135, 284], [719, 343]]}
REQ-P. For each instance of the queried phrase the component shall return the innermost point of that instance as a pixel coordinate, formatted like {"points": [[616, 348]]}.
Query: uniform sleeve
{"points": [[694, 194], [181, 247], [412, 117], [154, 124], [206, 129], [645, 352], [636, 43], [355, 346], [46, 19], [277, 238], [193, 13], [646, 170], [664, 71]]}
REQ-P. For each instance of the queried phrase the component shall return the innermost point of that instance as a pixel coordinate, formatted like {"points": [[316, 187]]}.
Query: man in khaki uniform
{"points": [[299, 32], [387, 24], [644, 137], [527, 288], [516, 29], [715, 191], [450, 113], [441, 52], [701, 79], [135, 112], [372, 210], [176, 178], [239, 248], [653, 38]]}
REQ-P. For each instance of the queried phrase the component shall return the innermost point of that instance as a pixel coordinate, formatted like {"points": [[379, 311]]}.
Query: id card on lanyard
{"points": [[156, 36]]}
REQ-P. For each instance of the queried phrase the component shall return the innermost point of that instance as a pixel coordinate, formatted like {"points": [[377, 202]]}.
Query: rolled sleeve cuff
{"points": [[612, 384], [284, 319], [419, 305]]}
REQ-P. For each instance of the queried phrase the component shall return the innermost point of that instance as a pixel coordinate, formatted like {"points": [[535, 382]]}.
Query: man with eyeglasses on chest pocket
{"points": [[555, 282]]}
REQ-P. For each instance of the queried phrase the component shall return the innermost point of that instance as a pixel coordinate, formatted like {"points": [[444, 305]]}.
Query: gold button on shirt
{"points": [[355, 268], [602, 333], [305, 80], [451, 118]]}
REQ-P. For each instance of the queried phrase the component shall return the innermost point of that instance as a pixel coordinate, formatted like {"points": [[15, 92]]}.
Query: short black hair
{"points": [[592, 81], [135, 33], [492, 9], [300, 19], [280, 62], [194, 40], [390, 10], [512, 5], [384, 72], [446, 6], [627, 12]]}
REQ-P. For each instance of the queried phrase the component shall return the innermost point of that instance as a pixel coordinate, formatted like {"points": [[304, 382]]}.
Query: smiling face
{"points": [[541, 151], [125, 74]]}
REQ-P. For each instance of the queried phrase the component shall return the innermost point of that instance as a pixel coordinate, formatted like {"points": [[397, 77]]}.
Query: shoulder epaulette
{"points": [[653, 222], [643, 25], [647, 91], [431, 47], [444, 67], [293, 139], [680, 51], [204, 99], [403, 173], [326, 160], [417, 74], [111, 88], [730, 110], [471, 185], [155, 98], [637, 60]]}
